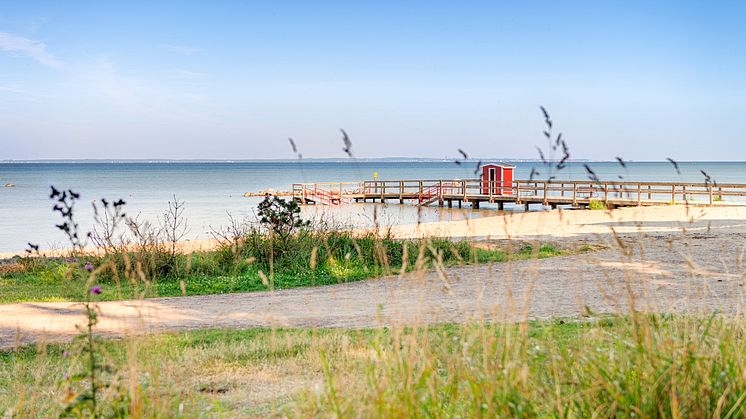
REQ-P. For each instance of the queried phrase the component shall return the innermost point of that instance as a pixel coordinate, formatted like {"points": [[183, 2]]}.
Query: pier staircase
{"points": [[434, 193], [322, 196]]}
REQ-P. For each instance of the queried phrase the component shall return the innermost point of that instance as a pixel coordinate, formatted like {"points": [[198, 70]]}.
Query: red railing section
{"points": [[324, 196]]}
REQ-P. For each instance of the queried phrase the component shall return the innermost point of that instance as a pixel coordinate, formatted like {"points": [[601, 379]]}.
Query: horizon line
{"points": [[343, 159]]}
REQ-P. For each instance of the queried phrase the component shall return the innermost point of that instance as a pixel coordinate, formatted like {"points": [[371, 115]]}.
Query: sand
{"points": [[559, 224], [671, 259]]}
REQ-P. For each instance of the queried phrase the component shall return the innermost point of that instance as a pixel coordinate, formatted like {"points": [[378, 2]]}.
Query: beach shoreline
{"points": [[535, 225]]}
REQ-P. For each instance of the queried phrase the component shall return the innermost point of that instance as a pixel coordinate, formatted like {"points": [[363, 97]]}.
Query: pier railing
{"points": [[572, 192], [327, 193]]}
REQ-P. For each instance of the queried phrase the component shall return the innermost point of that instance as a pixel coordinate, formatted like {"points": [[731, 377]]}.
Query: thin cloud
{"points": [[11, 89], [181, 49], [36, 50], [181, 73]]}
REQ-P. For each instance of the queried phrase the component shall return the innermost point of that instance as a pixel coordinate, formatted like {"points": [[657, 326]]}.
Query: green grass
{"points": [[339, 257], [638, 366]]}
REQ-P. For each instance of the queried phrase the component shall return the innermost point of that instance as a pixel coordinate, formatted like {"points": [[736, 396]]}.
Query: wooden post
{"points": [[420, 200], [606, 192], [383, 191], [440, 193], [518, 192], [562, 189], [500, 205], [491, 184], [673, 194], [526, 206], [709, 192], [683, 192], [401, 191], [639, 187], [463, 185], [574, 194], [650, 196], [546, 184]]}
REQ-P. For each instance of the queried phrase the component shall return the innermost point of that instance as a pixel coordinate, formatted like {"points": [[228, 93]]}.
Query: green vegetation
{"points": [[642, 366], [597, 204], [279, 250], [253, 262]]}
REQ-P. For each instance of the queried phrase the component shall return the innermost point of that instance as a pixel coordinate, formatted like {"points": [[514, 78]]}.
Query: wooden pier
{"points": [[554, 193]]}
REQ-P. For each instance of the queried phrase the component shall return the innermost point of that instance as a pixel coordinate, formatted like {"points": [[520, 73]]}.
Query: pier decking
{"points": [[574, 193]]}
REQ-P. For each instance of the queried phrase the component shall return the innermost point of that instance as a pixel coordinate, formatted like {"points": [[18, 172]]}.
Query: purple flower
{"points": [[96, 289], [65, 354], [88, 267]]}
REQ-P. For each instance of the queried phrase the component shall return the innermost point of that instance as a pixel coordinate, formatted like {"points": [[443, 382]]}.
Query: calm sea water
{"points": [[213, 189]]}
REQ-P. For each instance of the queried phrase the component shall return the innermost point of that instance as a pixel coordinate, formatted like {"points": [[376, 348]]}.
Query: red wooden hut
{"points": [[497, 179]]}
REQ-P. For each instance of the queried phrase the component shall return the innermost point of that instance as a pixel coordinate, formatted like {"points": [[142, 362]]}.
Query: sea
{"points": [[213, 190]]}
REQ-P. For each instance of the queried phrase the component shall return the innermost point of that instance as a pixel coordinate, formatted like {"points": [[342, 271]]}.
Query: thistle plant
{"points": [[86, 401]]}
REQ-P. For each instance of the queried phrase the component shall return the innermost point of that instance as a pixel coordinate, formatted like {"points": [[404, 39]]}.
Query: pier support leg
{"points": [[526, 206], [459, 203], [475, 205], [450, 203], [500, 205]]}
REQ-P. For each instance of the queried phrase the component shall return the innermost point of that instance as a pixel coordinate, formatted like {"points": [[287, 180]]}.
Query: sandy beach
{"points": [[678, 259], [559, 224]]}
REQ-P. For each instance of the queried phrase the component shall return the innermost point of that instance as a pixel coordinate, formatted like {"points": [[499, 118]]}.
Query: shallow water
{"points": [[211, 190]]}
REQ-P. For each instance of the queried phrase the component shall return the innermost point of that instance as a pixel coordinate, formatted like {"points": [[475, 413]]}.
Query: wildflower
{"points": [[65, 354], [88, 267], [96, 289]]}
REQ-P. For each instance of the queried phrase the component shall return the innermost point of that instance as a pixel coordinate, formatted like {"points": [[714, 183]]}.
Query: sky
{"points": [[642, 80]]}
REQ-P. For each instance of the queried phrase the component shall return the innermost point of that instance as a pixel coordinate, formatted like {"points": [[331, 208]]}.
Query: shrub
{"points": [[280, 216], [597, 204]]}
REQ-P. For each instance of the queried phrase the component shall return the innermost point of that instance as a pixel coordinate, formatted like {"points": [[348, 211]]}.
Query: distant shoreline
{"points": [[337, 160], [308, 160]]}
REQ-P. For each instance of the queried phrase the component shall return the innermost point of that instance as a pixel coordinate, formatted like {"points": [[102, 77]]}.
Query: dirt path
{"points": [[697, 271]]}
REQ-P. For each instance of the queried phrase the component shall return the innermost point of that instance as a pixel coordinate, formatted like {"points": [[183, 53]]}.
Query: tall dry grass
{"points": [[633, 364], [630, 364], [643, 365]]}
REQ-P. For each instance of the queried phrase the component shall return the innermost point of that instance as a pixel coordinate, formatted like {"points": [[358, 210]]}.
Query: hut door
{"points": [[492, 184]]}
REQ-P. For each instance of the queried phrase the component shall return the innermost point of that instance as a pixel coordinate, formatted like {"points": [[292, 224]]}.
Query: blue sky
{"points": [[642, 80]]}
